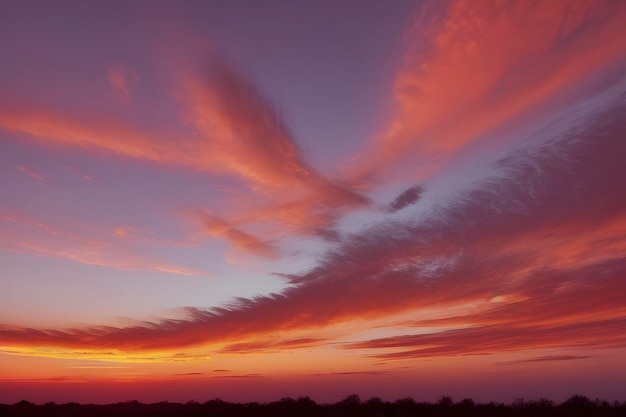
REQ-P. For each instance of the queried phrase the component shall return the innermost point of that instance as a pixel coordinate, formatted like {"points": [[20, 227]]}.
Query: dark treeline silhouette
{"points": [[577, 405]]}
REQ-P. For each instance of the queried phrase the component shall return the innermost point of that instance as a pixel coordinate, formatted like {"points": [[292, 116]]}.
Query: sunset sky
{"points": [[261, 199]]}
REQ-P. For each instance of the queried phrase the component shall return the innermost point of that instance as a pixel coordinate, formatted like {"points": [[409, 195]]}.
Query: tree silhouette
{"points": [[351, 406]]}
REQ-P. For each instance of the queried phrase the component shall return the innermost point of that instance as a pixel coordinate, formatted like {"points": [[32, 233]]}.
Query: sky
{"points": [[257, 200]]}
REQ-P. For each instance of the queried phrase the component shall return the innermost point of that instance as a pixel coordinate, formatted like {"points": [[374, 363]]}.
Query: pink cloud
{"points": [[95, 134], [25, 235], [244, 134], [474, 66], [218, 227], [120, 77], [243, 130], [75, 171], [235, 130], [537, 246], [542, 264], [31, 171]]}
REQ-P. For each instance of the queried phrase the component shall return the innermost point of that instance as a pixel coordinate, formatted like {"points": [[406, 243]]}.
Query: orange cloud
{"points": [[474, 66], [243, 130], [539, 245], [96, 134], [239, 239], [587, 316], [244, 133], [534, 251], [272, 346], [235, 130]]}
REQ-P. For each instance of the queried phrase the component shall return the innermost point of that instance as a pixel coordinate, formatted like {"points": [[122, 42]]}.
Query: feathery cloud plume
{"points": [[493, 245], [474, 66]]}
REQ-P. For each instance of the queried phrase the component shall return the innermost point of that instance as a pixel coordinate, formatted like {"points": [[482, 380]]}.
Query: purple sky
{"points": [[312, 198]]}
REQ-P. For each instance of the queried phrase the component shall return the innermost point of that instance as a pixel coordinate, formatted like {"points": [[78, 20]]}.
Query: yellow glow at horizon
{"points": [[109, 355]]}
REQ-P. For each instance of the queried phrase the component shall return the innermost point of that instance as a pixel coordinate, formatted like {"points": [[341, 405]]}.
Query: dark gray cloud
{"points": [[406, 198]]}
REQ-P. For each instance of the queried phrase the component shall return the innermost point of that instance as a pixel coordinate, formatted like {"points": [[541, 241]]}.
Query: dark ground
{"points": [[304, 407]]}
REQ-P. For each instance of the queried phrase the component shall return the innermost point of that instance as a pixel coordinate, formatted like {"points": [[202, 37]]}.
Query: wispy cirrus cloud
{"points": [[232, 128], [549, 358], [364, 373], [120, 77], [242, 129], [472, 67], [77, 172], [246, 135], [245, 376], [218, 227], [26, 235], [541, 264], [536, 244], [271, 346], [31, 171], [95, 133]]}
